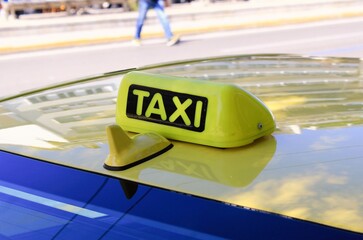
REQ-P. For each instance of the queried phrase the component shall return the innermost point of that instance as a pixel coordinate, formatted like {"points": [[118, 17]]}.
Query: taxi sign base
{"points": [[126, 152]]}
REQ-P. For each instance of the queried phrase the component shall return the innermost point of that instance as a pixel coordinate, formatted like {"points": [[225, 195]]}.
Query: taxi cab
{"points": [[238, 147]]}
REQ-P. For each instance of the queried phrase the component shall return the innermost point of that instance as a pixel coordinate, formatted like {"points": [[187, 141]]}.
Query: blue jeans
{"points": [[158, 6]]}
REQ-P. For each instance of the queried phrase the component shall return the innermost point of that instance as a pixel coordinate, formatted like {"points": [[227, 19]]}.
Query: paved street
{"points": [[46, 51], [31, 70], [47, 31]]}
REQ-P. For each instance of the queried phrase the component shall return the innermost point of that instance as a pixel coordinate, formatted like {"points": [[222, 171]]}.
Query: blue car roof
{"points": [[75, 204]]}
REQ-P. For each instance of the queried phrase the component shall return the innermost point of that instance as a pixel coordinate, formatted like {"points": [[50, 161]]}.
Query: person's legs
{"points": [[159, 8], [143, 8]]}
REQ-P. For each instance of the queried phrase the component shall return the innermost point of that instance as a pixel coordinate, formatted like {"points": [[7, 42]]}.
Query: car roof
{"points": [[310, 168]]}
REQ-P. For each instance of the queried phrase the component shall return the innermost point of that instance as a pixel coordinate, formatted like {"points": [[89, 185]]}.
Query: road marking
{"points": [[51, 203], [79, 49], [47, 53], [292, 42], [336, 51], [274, 29]]}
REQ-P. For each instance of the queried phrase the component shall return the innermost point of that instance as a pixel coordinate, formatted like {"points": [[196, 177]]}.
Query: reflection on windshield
{"points": [[301, 92], [236, 167], [24, 135], [315, 176], [59, 118]]}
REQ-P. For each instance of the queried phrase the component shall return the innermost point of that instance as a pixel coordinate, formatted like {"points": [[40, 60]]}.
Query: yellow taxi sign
{"points": [[203, 112]]}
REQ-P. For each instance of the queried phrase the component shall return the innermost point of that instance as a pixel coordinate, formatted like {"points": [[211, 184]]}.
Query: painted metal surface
{"points": [[75, 204], [311, 168]]}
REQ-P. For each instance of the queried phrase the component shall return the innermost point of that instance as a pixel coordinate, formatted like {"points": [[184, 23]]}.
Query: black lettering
{"points": [[166, 107]]}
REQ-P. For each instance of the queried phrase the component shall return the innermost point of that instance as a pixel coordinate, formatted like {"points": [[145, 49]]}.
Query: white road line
{"points": [[292, 42], [80, 49], [275, 29], [51, 203], [101, 47]]}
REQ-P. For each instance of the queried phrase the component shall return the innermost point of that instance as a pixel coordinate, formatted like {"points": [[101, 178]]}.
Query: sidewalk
{"points": [[39, 32]]}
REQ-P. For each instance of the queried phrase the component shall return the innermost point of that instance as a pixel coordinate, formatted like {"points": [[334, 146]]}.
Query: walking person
{"points": [[158, 6]]}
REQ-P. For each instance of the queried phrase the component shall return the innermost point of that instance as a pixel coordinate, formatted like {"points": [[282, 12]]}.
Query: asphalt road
{"points": [[25, 71]]}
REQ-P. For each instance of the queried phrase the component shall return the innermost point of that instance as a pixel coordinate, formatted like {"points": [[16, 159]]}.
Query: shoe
{"points": [[172, 41], [136, 42]]}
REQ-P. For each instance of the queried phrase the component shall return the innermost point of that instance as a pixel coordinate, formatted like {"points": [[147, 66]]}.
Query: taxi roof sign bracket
{"points": [[126, 152]]}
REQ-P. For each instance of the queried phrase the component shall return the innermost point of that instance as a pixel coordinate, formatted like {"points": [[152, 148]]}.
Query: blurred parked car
{"points": [[16, 8], [302, 182]]}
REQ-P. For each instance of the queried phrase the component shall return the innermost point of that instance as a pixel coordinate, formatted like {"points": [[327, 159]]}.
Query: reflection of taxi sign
{"points": [[203, 112]]}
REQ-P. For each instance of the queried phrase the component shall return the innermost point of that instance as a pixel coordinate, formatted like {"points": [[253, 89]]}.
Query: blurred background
{"points": [[46, 42]]}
